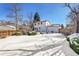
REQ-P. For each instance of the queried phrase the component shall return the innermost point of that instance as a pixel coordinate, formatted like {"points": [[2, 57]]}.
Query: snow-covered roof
{"points": [[7, 27], [44, 21], [55, 25], [11, 26]]}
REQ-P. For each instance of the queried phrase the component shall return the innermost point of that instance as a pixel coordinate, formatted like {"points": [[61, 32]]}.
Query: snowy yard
{"points": [[38, 45]]}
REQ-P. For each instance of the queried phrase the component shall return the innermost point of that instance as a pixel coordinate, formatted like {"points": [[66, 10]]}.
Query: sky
{"points": [[54, 13]]}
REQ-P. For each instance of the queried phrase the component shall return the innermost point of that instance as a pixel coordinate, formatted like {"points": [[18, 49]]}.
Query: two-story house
{"points": [[46, 27]]}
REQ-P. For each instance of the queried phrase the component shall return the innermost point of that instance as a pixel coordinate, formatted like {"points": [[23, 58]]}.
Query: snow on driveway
{"points": [[38, 45]]}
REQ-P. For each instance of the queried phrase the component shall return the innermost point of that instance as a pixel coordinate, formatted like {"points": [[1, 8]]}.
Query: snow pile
{"points": [[72, 36]]}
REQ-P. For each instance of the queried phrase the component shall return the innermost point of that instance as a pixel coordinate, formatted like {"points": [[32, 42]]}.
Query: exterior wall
{"points": [[47, 29], [40, 29], [53, 29], [43, 23]]}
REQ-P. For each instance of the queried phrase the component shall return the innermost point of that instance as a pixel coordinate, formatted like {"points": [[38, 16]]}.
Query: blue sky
{"points": [[54, 13]]}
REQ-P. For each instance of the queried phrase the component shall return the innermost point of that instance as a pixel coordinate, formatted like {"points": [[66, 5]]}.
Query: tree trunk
{"points": [[77, 29]]}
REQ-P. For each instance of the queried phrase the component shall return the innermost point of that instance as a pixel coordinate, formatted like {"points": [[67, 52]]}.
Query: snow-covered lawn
{"points": [[38, 45]]}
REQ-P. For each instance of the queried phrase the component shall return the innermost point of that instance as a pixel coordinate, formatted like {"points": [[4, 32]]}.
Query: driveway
{"points": [[38, 45]]}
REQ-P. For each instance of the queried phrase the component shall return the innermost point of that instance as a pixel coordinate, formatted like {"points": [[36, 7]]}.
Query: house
{"points": [[6, 30], [46, 27]]}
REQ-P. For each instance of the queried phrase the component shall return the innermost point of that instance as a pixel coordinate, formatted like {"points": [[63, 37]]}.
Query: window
{"points": [[35, 24], [38, 23], [36, 29], [41, 22], [39, 27], [51, 31]]}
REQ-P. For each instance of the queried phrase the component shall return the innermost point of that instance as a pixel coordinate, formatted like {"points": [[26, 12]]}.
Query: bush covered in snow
{"points": [[17, 33], [74, 42], [75, 45], [31, 33]]}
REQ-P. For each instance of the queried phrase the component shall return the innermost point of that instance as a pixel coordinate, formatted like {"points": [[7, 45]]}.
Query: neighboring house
{"points": [[7, 27], [46, 27], [7, 30]]}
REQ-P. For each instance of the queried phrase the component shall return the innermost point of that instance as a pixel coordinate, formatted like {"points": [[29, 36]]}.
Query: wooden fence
{"points": [[5, 33]]}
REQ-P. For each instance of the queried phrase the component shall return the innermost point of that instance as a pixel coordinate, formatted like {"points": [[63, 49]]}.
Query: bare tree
{"points": [[15, 13], [74, 15], [30, 21]]}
